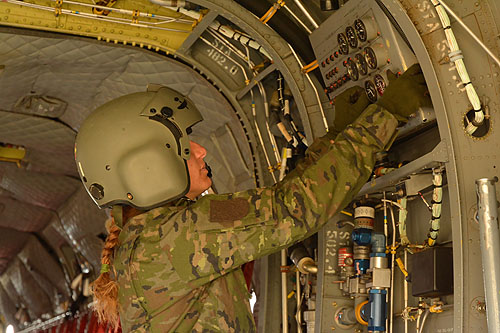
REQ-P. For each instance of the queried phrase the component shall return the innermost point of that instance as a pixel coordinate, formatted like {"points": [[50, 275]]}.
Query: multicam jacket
{"points": [[179, 265]]}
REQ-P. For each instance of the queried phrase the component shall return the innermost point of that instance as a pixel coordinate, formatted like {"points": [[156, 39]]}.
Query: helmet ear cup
{"points": [[152, 165]]}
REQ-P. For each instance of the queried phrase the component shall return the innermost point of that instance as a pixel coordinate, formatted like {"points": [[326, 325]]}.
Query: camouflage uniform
{"points": [[179, 265]]}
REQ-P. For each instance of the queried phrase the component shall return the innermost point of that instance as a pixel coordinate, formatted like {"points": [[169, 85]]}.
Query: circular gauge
{"points": [[352, 69], [371, 58], [361, 62], [371, 91], [351, 37], [343, 44], [360, 28], [379, 84]]}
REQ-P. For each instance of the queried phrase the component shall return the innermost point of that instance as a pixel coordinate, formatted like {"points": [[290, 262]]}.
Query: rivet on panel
{"points": [[112, 30], [130, 196], [451, 93], [103, 29], [120, 32], [146, 36], [79, 27]]}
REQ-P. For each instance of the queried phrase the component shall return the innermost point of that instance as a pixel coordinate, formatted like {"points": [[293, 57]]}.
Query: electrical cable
{"points": [[254, 112], [437, 199], [456, 56]]}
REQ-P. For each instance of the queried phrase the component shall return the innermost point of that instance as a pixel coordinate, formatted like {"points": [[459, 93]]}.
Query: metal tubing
{"points": [[284, 298], [306, 13], [490, 247]]}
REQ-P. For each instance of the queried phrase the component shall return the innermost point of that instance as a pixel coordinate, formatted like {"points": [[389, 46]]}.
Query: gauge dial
{"points": [[360, 28], [371, 91], [379, 84], [343, 44], [352, 69], [361, 63], [371, 58], [351, 37]]}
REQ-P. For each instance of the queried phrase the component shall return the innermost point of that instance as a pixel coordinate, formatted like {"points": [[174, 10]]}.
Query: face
{"points": [[198, 174]]}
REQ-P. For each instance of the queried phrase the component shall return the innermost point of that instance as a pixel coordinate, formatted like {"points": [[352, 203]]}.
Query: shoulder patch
{"points": [[226, 211]]}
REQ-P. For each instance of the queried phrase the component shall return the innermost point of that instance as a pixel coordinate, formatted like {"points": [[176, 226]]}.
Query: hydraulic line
{"points": [[325, 122], [296, 18], [393, 254], [128, 12], [101, 18], [306, 13], [284, 298], [456, 56], [251, 65], [254, 113], [283, 25], [437, 198]]}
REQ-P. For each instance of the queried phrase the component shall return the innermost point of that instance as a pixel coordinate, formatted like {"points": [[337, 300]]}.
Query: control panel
{"points": [[356, 46]]}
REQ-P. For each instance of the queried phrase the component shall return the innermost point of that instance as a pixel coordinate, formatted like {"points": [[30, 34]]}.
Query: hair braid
{"points": [[105, 287]]}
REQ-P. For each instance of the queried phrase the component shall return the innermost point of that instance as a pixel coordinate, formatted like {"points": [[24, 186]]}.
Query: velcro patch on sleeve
{"points": [[227, 211]]}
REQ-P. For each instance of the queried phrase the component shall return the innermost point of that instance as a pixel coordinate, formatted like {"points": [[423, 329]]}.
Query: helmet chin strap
{"points": [[209, 174]]}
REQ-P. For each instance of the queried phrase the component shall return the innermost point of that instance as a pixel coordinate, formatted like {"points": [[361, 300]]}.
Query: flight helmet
{"points": [[133, 149]]}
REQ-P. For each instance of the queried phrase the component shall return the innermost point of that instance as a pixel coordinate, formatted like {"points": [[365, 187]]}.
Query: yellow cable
{"points": [[270, 13], [434, 310], [346, 213], [311, 68], [402, 267]]}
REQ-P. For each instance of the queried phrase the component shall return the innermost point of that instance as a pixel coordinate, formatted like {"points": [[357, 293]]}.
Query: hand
{"points": [[405, 94], [348, 106]]}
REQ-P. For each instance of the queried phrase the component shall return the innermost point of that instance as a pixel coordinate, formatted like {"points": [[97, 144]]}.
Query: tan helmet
{"points": [[133, 150]]}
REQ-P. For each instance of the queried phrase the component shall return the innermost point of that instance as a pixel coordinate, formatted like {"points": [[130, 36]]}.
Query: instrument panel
{"points": [[357, 46]]}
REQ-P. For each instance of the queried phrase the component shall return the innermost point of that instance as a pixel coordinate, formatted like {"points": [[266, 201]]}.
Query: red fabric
{"points": [[93, 323], [247, 272], [83, 323]]}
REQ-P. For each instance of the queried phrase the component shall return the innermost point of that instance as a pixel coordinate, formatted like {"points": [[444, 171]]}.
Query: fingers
{"points": [[391, 76], [349, 96]]}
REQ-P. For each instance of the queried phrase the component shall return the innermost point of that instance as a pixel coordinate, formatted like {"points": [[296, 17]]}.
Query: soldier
{"points": [[175, 259]]}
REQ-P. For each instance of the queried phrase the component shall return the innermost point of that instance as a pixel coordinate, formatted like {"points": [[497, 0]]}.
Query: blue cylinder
{"points": [[362, 236], [362, 264], [378, 310]]}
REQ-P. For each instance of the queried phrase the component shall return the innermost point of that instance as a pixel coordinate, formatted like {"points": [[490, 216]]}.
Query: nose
{"points": [[198, 150]]}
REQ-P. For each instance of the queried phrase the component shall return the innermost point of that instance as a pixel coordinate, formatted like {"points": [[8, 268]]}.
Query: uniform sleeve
{"points": [[221, 232]]}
